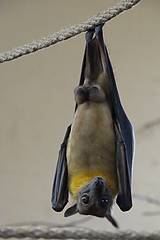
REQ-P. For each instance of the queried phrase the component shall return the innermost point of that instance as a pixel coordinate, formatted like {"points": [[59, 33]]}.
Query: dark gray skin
{"points": [[94, 199]]}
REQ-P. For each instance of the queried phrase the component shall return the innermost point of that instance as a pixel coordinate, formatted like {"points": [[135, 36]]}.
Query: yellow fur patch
{"points": [[78, 181]]}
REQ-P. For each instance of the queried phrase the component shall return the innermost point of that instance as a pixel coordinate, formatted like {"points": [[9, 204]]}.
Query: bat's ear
{"points": [[71, 211], [111, 219]]}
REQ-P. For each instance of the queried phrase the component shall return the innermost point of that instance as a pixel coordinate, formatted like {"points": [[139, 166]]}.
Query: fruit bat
{"points": [[95, 158]]}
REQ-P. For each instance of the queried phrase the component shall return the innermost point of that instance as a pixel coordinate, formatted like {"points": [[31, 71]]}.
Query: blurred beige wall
{"points": [[36, 103]]}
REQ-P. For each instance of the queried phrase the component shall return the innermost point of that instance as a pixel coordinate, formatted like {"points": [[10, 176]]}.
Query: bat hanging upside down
{"points": [[95, 159]]}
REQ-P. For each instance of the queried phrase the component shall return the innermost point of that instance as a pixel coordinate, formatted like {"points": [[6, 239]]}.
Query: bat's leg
{"points": [[81, 94]]}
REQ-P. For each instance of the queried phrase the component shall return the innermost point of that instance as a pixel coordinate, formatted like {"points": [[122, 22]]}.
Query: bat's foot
{"points": [[89, 93]]}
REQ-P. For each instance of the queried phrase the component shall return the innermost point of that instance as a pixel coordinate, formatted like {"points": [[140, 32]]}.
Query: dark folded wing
{"points": [[124, 130], [60, 183]]}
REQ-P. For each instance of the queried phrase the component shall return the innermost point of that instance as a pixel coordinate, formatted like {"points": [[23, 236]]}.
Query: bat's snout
{"points": [[99, 181]]}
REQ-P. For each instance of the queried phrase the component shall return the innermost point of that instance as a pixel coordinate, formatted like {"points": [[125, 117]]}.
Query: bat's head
{"points": [[94, 199]]}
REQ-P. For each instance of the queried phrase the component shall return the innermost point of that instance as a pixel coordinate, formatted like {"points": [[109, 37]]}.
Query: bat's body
{"points": [[95, 159], [91, 147]]}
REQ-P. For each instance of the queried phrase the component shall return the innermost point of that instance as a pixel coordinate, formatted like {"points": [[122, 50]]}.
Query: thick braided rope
{"points": [[66, 33], [46, 232]]}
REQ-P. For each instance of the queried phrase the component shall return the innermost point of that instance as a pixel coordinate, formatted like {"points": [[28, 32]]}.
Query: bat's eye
{"points": [[104, 202], [85, 199]]}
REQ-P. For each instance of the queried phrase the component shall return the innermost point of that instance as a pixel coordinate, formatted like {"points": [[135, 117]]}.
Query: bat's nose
{"points": [[99, 181]]}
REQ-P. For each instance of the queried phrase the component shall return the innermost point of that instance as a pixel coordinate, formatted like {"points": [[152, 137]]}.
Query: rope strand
{"points": [[69, 32], [45, 232]]}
